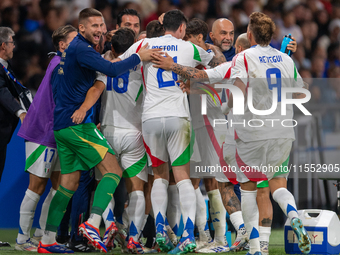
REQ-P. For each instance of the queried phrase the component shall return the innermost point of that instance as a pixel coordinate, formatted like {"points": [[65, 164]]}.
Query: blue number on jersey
{"points": [[161, 82], [277, 85], [113, 83]]}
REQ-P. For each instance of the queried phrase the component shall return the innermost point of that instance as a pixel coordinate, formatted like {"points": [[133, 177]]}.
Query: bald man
{"points": [[222, 35]]}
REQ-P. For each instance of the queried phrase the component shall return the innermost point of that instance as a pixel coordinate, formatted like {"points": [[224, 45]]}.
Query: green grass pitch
{"points": [[276, 246]]}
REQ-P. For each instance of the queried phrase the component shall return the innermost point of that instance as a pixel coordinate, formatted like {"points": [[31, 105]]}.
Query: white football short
{"points": [[262, 160], [41, 160], [129, 149], [230, 168], [167, 138]]}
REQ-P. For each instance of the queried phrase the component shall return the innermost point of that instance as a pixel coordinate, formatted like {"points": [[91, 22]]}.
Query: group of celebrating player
{"points": [[152, 132]]}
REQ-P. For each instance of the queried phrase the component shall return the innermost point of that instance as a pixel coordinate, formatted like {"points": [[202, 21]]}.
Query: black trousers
{"points": [[2, 159]]}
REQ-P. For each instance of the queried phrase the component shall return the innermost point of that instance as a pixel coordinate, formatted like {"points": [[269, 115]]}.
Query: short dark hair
{"points": [[123, 38], [87, 13], [154, 29], [262, 28], [131, 12], [61, 34], [173, 19], [196, 27]]}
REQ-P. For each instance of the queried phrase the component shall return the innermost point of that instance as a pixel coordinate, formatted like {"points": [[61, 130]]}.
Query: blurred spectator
{"points": [[314, 23], [200, 8], [163, 6], [333, 59], [318, 67], [300, 59], [322, 19], [288, 26], [334, 30], [310, 32]]}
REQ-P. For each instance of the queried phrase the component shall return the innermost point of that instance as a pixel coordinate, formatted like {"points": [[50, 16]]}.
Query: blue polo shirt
{"points": [[75, 75]]}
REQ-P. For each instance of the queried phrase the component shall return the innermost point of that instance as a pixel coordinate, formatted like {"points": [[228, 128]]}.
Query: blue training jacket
{"points": [[75, 75]]}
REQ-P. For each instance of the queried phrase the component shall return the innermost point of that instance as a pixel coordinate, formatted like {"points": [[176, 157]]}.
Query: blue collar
{"points": [[84, 39]]}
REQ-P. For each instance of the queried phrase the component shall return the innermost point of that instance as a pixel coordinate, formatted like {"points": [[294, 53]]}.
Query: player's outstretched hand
{"points": [[146, 54], [78, 116], [292, 46], [162, 62]]}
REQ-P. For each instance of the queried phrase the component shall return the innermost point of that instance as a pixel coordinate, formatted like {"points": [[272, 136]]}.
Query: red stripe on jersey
{"points": [[139, 46], [245, 62], [219, 151], [235, 135], [227, 75], [229, 173], [211, 134], [228, 93], [142, 70], [246, 65], [251, 173], [155, 161]]}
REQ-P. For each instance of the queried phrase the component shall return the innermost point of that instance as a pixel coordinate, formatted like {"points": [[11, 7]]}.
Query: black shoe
{"points": [[80, 246], [62, 239], [4, 244]]}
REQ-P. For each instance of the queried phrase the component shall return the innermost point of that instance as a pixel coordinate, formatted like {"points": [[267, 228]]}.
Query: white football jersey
{"points": [[219, 75], [121, 102], [163, 97], [262, 69]]}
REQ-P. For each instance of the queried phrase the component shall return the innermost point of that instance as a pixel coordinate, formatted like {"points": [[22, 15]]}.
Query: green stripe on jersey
{"points": [[196, 53], [139, 92], [295, 73], [34, 156]]}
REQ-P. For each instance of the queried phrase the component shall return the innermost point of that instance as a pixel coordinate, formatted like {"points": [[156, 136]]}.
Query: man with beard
{"points": [[81, 146], [222, 36]]}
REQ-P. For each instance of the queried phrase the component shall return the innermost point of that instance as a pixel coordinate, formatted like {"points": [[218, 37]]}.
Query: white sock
{"points": [[264, 233], [27, 211], [218, 214], [48, 237], [44, 212], [286, 201], [173, 212], [250, 213], [125, 218], [237, 220], [187, 198], [108, 213], [201, 214], [135, 212], [159, 201], [95, 220]]}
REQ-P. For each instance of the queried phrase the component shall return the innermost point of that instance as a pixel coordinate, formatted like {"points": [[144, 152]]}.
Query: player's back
{"points": [[121, 100], [262, 69], [163, 96]]}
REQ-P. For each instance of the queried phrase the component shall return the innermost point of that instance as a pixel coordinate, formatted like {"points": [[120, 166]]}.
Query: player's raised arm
{"points": [[187, 72]]}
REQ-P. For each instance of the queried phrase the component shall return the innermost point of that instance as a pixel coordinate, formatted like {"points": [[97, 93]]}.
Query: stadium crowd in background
{"points": [[314, 23]]}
